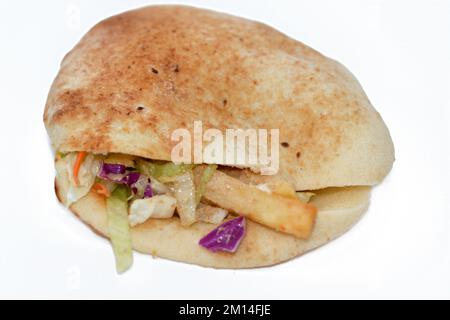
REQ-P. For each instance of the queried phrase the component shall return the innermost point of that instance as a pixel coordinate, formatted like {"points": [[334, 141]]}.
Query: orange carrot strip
{"points": [[76, 167], [101, 189]]}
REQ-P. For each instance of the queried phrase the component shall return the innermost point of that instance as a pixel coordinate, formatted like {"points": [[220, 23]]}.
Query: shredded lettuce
{"points": [[86, 176], [118, 228], [206, 176], [184, 192], [111, 186], [162, 171]]}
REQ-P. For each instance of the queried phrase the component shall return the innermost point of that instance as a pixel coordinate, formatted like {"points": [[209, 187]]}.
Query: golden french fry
{"points": [[210, 214], [284, 214], [282, 188]]}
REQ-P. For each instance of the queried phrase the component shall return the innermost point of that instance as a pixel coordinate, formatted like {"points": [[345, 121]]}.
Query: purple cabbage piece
{"points": [[131, 178], [112, 172], [139, 184], [148, 192], [110, 168], [225, 237]]}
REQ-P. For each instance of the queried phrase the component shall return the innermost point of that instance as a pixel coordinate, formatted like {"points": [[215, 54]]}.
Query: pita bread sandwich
{"points": [[137, 77]]}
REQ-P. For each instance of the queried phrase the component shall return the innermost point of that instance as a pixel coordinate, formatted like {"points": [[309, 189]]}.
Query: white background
{"points": [[400, 52]]}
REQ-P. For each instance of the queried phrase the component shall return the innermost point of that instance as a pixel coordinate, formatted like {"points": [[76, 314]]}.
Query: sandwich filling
{"points": [[137, 189]]}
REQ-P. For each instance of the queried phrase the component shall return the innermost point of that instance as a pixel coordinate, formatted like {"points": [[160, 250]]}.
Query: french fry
{"points": [[210, 214], [282, 188], [285, 214]]}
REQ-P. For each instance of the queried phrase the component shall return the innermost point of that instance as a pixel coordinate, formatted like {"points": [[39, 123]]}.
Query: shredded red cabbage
{"points": [[142, 187], [139, 184], [131, 178], [225, 237], [148, 192], [110, 168]]}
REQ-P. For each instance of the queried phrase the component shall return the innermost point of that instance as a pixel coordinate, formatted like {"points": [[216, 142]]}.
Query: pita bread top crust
{"points": [[137, 76]]}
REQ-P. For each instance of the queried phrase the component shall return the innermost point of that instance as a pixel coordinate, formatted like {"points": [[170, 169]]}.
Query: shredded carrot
{"points": [[76, 167], [101, 189]]}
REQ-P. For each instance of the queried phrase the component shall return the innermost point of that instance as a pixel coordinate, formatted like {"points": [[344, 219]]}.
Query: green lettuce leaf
{"points": [[206, 176], [118, 228], [162, 171]]}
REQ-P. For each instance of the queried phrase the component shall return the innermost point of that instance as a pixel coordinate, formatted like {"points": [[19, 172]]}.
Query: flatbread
{"points": [[136, 77], [338, 210]]}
